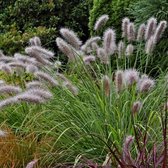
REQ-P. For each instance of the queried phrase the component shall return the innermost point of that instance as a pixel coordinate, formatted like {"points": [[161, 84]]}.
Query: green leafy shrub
{"points": [[15, 40], [25, 17]]}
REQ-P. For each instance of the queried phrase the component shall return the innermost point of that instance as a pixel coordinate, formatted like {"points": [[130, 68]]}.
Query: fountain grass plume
{"points": [[109, 39], [125, 23], [31, 68], [71, 37], [136, 107], [88, 59], [66, 49], [126, 150], [119, 80], [46, 77], [9, 89], [150, 45], [121, 49], [73, 89], [32, 163], [101, 21], [17, 64], [131, 76], [9, 101], [35, 53], [89, 42], [150, 27], [35, 41], [145, 85], [131, 34], [30, 98], [26, 59], [106, 85], [44, 53], [141, 32], [160, 30], [6, 59], [94, 46], [34, 84], [129, 50], [6, 68], [43, 93], [101, 54], [1, 54]]}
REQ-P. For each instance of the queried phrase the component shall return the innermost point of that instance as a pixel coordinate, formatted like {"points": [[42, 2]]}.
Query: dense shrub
{"points": [[114, 8], [22, 19]]}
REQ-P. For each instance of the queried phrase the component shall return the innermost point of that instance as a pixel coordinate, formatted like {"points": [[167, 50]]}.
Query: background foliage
{"points": [[23, 19]]}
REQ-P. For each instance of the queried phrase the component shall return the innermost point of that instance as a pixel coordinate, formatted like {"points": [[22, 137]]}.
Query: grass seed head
{"points": [[8, 89], [160, 30], [88, 59], [30, 98], [125, 23], [46, 77], [119, 80], [150, 28], [121, 49], [150, 45], [6, 68], [109, 39], [145, 85], [141, 32], [41, 93], [101, 21], [31, 68], [136, 107], [106, 85], [131, 32], [89, 42], [35, 41], [34, 84], [129, 50], [131, 76], [66, 49], [71, 37]]}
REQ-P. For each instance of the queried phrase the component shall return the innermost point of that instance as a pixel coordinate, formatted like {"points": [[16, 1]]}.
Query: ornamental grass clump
{"points": [[117, 103], [105, 107]]}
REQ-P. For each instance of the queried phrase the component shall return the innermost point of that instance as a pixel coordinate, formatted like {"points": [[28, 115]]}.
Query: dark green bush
{"points": [[22, 18], [116, 10]]}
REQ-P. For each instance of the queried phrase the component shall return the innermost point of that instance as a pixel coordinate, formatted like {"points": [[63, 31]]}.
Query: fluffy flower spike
{"points": [[71, 37], [101, 21], [109, 39]]}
